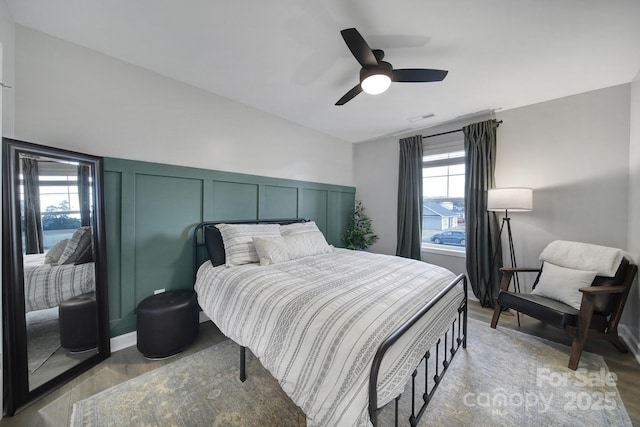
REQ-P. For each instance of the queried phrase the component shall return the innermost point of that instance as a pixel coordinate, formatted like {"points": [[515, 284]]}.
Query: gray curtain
{"points": [[484, 251], [33, 237], [84, 194], [410, 198]]}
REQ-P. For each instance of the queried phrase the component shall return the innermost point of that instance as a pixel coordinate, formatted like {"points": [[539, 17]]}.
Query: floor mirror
{"points": [[54, 287]]}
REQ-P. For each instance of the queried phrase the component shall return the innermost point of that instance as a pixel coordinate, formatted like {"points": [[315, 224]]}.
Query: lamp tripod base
{"points": [[512, 254]]}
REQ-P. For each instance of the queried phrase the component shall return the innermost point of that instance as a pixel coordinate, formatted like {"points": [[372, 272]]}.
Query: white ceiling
{"points": [[287, 57]]}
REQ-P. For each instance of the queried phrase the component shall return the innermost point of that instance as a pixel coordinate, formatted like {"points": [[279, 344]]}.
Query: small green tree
{"points": [[359, 233]]}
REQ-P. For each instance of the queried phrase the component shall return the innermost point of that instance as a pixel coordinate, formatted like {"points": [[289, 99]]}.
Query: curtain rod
{"points": [[453, 131]]}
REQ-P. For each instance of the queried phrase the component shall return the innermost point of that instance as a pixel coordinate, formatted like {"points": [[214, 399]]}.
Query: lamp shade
{"points": [[514, 199]]}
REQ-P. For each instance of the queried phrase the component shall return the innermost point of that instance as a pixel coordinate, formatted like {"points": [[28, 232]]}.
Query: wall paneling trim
{"points": [[151, 210]]}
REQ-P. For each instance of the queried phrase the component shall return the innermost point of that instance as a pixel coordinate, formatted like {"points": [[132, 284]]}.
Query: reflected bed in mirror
{"points": [[50, 281], [54, 280]]}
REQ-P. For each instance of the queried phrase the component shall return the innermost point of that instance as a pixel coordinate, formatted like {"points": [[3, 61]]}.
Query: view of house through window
{"points": [[443, 223]]}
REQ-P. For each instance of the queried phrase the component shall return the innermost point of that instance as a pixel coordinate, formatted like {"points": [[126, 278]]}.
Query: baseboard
{"points": [[630, 340], [129, 340], [124, 341]]}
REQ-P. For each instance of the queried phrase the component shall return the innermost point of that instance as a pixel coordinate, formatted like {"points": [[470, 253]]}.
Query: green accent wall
{"points": [[152, 209]]}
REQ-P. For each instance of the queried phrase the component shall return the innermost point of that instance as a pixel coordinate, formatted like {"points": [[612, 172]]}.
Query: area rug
{"points": [[43, 336], [503, 378]]}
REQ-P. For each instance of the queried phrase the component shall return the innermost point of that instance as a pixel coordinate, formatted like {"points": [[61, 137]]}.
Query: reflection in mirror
{"points": [[55, 303], [55, 207]]}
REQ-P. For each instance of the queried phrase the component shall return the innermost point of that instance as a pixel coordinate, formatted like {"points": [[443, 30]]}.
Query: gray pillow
{"points": [[55, 252], [76, 246]]}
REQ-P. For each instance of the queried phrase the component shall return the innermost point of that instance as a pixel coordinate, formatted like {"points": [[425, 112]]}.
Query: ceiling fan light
{"points": [[376, 84], [375, 80]]}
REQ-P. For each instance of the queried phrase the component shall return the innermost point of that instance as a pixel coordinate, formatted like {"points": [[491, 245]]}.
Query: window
{"points": [[59, 201], [443, 223]]}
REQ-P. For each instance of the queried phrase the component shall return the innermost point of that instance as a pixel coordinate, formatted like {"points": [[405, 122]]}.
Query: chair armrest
{"points": [[519, 270], [597, 290]]}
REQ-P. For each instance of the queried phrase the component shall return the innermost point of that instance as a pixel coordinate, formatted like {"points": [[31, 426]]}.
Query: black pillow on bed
{"points": [[215, 246], [85, 256]]}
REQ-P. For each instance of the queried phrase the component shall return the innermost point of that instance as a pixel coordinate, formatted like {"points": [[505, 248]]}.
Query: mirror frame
{"points": [[15, 365]]}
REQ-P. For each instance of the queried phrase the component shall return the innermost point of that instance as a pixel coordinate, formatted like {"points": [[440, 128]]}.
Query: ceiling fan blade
{"points": [[418, 75], [350, 95], [359, 48]]}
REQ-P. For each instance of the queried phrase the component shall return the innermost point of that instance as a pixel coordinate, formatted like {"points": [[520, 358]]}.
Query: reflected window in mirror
{"points": [[55, 200]]}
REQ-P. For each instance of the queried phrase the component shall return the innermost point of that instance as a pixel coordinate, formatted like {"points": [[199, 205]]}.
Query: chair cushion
{"points": [[563, 284], [547, 310]]}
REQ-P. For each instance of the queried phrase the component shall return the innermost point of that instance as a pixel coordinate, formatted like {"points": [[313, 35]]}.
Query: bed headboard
{"points": [[207, 239]]}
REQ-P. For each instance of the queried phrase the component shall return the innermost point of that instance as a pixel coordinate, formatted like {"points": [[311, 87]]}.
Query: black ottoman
{"points": [[167, 323], [78, 321]]}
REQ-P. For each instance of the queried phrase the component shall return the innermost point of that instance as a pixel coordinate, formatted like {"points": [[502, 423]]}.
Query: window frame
{"points": [[437, 149]]}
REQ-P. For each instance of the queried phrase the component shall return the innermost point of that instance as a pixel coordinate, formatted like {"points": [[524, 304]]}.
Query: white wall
{"points": [[7, 41], [6, 117], [375, 169], [74, 98], [574, 153], [630, 318]]}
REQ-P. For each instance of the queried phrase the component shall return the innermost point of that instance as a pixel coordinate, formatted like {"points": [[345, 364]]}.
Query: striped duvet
{"points": [[46, 285], [316, 322]]}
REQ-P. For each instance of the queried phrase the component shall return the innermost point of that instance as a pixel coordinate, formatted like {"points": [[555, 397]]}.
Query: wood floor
{"points": [[55, 408]]}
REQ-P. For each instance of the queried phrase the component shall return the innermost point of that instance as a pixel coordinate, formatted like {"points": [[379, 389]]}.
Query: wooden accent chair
{"points": [[595, 315]]}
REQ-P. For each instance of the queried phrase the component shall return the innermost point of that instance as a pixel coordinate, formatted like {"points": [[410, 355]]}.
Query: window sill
{"points": [[458, 253]]}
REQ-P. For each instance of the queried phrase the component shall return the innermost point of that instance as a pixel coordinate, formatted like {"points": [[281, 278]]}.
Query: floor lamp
{"points": [[514, 199]]}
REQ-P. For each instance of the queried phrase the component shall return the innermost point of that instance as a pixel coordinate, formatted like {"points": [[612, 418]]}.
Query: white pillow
{"points": [[307, 244], [238, 241], [271, 250], [304, 239], [298, 228], [53, 255], [563, 284]]}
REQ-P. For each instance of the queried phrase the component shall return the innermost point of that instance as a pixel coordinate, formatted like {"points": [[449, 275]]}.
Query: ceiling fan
{"points": [[376, 75]]}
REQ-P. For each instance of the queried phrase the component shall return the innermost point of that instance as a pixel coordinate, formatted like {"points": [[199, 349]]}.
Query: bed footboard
{"points": [[458, 337]]}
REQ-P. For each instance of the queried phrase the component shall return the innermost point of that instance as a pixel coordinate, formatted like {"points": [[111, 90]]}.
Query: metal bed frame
{"points": [[456, 340], [451, 343]]}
